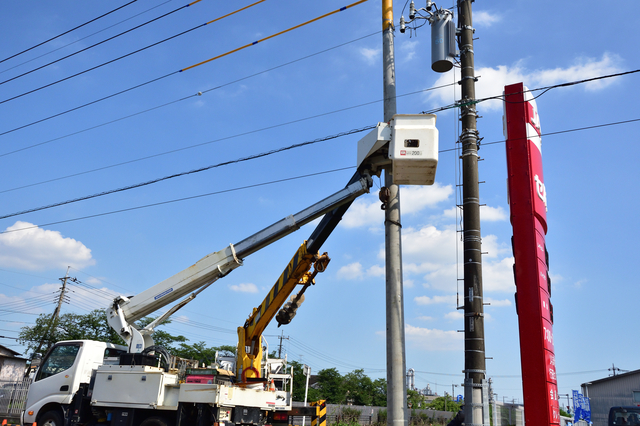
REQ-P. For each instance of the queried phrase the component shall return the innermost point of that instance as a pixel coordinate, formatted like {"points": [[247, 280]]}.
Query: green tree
{"points": [[300, 383], [70, 326], [161, 337], [358, 387], [379, 393], [200, 352], [415, 400], [439, 404], [91, 326], [330, 386]]}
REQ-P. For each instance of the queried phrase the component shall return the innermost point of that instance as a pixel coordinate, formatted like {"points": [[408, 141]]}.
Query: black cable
{"points": [[106, 40], [544, 89], [191, 146], [85, 37], [198, 170], [174, 201], [66, 32], [174, 101], [595, 126]]}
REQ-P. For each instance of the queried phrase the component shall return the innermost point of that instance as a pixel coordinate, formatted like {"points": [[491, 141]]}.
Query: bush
{"points": [[347, 416]]}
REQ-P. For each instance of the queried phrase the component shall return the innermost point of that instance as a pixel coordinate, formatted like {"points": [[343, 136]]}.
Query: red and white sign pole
{"points": [[528, 205]]}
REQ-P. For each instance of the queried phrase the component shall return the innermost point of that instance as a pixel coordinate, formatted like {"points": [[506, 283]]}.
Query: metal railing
{"points": [[13, 396]]}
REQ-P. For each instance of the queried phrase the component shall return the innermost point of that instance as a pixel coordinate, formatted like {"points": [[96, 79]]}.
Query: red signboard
{"points": [[528, 205]]}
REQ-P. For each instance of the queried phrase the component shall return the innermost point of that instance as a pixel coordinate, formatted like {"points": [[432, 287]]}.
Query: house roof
{"points": [[8, 352]]}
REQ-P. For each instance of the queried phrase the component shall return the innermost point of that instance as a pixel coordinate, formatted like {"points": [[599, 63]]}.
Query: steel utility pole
{"points": [[396, 362], [476, 393]]}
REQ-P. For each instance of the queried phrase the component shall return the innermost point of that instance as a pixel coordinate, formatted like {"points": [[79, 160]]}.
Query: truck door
{"points": [[54, 380]]}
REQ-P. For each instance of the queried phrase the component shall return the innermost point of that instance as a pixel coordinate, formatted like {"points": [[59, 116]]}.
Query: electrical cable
{"points": [[122, 57], [85, 37], [199, 93], [172, 201], [198, 170], [199, 144], [113, 38], [559, 132], [267, 183], [67, 32], [237, 161], [191, 66]]}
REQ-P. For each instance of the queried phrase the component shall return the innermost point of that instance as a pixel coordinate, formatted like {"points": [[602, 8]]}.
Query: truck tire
{"points": [[154, 421], [50, 418]]}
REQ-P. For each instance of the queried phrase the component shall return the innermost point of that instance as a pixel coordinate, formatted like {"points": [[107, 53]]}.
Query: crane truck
{"points": [[84, 382]]}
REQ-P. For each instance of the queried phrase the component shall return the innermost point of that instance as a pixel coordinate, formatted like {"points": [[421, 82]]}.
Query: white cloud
{"points": [[498, 276], [497, 303], [429, 245], [414, 199], [371, 56], [376, 271], [454, 315], [492, 214], [244, 288], [487, 213], [39, 249], [366, 211], [352, 271], [433, 339], [425, 318], [482, 18], [491, 81], [408, 49], [426, 300]]}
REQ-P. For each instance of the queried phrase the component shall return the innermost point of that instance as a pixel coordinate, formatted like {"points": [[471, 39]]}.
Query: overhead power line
{"points": [[85, 37], [267, 183], [198, 144], [67, 32], [198, 170], [189, 67], [124, 56], [176, 200], [113, 38], [199, 93]]}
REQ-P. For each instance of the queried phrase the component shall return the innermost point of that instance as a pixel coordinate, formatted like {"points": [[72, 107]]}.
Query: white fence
{"points": [[13, 396]]}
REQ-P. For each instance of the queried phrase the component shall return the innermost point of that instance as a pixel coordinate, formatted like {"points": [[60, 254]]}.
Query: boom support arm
{"points": [[125, 311], [249, 335]]}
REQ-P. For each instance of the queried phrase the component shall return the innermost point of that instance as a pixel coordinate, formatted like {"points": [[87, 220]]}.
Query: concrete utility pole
{"points": [[396, 362], [56, 312], [476, 392]]}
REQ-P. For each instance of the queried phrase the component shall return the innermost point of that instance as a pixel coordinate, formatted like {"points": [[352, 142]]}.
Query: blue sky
{"points": [[320, 80]]}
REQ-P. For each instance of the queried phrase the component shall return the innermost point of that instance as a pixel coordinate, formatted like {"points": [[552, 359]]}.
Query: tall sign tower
{"points": [[528, 205]]}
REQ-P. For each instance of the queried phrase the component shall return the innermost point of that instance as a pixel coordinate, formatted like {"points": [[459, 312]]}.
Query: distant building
{"points": [[621, 389], [12, 367]]}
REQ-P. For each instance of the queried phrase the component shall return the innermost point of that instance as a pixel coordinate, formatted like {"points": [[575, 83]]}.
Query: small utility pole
{"points": [[476, 392], [280, 345], [396, 361], [56, 312]]}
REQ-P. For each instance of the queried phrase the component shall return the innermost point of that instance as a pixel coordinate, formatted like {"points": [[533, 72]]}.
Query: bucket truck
{"points": [[83, 382]]}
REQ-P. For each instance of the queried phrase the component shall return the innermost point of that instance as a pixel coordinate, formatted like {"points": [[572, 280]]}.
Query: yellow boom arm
{"points": [[296, 272]]}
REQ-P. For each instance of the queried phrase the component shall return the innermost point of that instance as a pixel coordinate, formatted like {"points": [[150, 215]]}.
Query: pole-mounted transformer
{"points": [[443, 40]]}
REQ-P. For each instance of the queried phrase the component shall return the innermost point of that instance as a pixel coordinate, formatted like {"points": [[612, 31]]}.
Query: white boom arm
{"points": [[124, 311]]}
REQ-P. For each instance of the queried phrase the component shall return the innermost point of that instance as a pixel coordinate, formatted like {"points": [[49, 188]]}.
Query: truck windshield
{"points": [[625, 416], [60, 359]]}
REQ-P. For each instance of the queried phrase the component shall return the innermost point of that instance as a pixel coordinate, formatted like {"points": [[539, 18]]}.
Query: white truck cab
{"points": [[67, 365]]}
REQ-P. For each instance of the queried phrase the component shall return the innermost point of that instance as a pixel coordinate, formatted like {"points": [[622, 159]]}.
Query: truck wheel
{"points": [[50, 418], [154, 421]]}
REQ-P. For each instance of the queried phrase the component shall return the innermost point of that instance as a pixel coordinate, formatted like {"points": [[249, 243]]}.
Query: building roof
{"points": [[4, 351], [610, 378]]}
